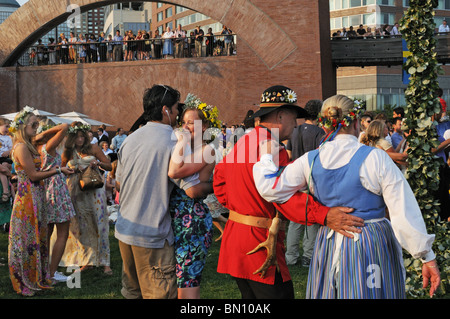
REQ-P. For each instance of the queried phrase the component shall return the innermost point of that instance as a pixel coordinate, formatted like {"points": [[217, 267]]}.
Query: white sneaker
{"points": [[59, 277]]}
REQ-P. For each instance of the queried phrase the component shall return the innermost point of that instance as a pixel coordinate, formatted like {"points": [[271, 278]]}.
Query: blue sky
{"points": [[21, 2]]}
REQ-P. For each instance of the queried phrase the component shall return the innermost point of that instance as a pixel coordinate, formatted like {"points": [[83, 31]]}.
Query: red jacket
{"points": [[235, 189]]}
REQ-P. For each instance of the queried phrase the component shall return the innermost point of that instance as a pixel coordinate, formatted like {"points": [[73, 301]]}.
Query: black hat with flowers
{"points": [[277, 97]]}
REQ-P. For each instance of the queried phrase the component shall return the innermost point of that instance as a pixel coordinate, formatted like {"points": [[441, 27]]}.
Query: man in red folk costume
{"points": [[252, 249]]}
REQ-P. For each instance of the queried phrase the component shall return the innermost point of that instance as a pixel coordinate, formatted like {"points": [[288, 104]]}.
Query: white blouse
{"points": [[378, 174]]}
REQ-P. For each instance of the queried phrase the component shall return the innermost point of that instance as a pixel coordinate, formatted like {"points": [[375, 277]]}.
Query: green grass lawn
{"points": [[96, 285]]}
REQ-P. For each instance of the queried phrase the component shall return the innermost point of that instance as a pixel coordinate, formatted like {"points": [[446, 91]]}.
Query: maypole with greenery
{"points": [[417, 28]]}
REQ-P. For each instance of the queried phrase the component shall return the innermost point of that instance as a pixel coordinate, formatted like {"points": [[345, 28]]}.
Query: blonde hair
{"points": [[374, 132], [20, 135], [337, 106], [335, 109]]}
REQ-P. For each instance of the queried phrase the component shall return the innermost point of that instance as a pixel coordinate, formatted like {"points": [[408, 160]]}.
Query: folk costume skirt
{"points": [[369, 266]]}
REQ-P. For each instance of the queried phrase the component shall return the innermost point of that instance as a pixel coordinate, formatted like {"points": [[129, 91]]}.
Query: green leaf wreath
{"points": [[417, 28]]}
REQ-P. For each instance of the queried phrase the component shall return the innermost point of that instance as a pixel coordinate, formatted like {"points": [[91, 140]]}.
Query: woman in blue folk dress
{"points": [[343, 172]]}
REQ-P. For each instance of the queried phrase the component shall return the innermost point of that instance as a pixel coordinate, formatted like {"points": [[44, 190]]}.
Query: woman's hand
{"points": [[430, 273], [93, 164], [182, 135], [67, 170]]}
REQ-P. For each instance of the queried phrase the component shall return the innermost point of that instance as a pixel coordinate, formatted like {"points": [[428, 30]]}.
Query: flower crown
{"points": [[82, 128], [285, 96], [20, 119], [358, 110], [43, 128], [210, 112]]}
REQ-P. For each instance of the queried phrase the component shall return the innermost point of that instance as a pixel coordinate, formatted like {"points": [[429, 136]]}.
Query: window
{"points": [[179, 9], [159, 16], [387, 18], [168, 12], [386, 2], [369, 19], [368, 2], [345, 22], [443, 5], [355, 3], [159, 5], [355, 20], [337, 23]]}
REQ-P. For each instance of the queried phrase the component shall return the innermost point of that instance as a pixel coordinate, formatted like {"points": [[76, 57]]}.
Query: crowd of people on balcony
{"points": [[145, 45], [363, 33], [381, 32]]}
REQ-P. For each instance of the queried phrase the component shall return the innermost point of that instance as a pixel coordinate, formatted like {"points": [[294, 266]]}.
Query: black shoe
{"points": [[306, 261]]}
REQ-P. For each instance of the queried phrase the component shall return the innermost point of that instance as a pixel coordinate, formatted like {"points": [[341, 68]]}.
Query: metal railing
{"points": [[381, 50], [128, 50], [378, 36]]}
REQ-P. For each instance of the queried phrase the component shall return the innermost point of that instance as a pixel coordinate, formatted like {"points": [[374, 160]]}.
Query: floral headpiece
{"points": [[283, 96], [210, 112], [20, 118], [82, 128], [43, 128], [333, 123]]}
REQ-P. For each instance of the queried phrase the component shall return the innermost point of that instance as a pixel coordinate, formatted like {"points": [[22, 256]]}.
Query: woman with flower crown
{"points": [[28, 248], [192, 220], [344, 172], [88, 242]]}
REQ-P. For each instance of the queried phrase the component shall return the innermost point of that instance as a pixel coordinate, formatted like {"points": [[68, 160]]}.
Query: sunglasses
{"points": [[34, 125]]}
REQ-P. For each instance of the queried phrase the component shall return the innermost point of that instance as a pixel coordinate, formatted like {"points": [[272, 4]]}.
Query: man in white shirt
{"points": [[444, 27], [180, 35], [395, 31]]}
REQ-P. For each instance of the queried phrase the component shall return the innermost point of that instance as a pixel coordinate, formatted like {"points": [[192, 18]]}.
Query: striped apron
{"points": [[368, 266]]}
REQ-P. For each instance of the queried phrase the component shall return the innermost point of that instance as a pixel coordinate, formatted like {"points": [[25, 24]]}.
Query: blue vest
{"points": [[342, 186]]}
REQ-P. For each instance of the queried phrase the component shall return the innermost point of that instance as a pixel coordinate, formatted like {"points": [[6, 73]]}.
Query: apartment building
{"points": [[378, 85]]}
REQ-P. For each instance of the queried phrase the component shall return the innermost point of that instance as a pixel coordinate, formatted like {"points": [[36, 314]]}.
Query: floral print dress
{"points": [[192, 226], [28, 249], [58, 203]]}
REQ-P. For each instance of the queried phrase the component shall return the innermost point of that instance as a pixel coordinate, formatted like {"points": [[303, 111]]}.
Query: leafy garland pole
{"points": [[417, 28]]}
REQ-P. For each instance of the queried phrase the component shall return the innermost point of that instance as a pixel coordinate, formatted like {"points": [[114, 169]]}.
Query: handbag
{"points": [[90, 178]]}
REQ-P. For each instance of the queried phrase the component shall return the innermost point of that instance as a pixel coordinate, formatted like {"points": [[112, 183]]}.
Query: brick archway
{"points": [[283, 42], [257, 29]]}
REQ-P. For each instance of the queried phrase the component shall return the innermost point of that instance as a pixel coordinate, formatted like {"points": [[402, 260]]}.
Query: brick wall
{"points": [[279, 43]]}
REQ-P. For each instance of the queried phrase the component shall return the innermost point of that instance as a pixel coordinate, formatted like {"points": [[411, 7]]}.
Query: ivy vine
{"points": [[417, 28]]}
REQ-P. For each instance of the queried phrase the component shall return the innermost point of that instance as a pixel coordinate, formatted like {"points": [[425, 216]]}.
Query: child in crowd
{"points": [[5, 160]]}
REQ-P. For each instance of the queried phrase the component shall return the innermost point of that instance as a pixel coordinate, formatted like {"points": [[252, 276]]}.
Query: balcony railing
{"points": [[380, 50], [132, 50]]}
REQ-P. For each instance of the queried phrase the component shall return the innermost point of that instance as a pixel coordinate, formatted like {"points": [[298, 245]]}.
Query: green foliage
{"points": [[417, 28]]}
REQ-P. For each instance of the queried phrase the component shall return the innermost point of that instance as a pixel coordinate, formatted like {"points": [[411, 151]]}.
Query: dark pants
{"points": [[256, 290]]}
